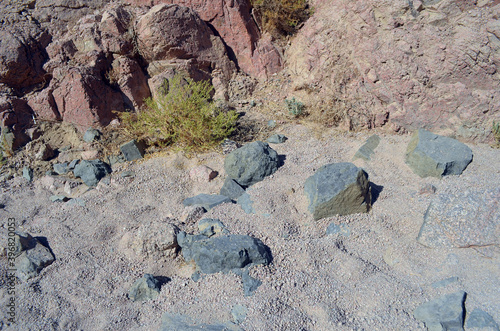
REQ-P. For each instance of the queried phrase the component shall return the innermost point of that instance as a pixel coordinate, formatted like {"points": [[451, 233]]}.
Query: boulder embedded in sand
{"points": [[91, 172], [31, 256], [338, 189], [444, 313], [251, 163], [429, 154]]}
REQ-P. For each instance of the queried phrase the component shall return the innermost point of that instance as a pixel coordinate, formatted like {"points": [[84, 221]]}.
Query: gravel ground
{"points": [[371, 279]]}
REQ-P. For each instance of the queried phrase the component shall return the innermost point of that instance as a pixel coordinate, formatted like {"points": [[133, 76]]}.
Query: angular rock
{"points": [[61, 168], [32, 256], [223, 253], [210, 227], [45, 153], [28, 174], [250, 284], [366, 151], [445, 282], [251, 163], [246, 203], [132, 82], [429, 154], [91, 135], [176, 322], [152, 239], [91, 171], [207, 201], [231, 189], [59, 198], [73, 164], [133, 150], [338, 189], [202, 173], [481, 320], [466, 219], [277, 139], [444, 313], [145, 288]]}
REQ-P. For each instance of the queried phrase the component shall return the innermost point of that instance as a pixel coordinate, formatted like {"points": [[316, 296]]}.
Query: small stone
{"points": [[481, 320], [250, 284], [207, 201], [176, 322], [133, 150], [271, 124], [114, 159], [342, 229], [427, 189], [91, 171], [127, 174], [231, 189], [239, 313], [28, 174], [59, 198], [366, 151], [444, 313], [246, 203], [445, 282], [61, 168], [277, 139], [76, 201], [73, 164], [91, 135], [32, 258], [210, 226], [45, 153], [33, 133], [202, 173], [145, 288]]}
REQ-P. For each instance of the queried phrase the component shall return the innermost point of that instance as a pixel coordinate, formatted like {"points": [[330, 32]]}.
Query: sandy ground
{"points": [[372, 279]]}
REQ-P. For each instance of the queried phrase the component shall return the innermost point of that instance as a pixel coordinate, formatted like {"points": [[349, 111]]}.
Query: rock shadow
{"points": [[376, 190]]}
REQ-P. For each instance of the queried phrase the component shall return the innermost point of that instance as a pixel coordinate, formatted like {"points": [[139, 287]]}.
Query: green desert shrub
{"points": [[184, 115], [495, 128], [295, 108], [281, 17]]}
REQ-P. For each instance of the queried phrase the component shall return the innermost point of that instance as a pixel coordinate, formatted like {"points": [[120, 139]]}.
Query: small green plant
{"points": [[184, 115], [295, 108], [281, 17], [495, 128]]}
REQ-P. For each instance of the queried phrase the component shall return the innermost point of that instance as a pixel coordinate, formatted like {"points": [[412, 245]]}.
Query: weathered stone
{"points": [[223, 253], [91, 135], [73, 164], [250, 284], [210, 226], [202, 173], [251, 163], [133, 150], [429, 154], [32, 258], [61, 168], [207, 201], [277, 139], [231, 189], [44, 153], [152, 239], [59, 198], [175, 322], [239, 313], [338, 189], [444, 313], [91, 171], [366, 151], [28, 174], [481, 320], [471, 218], [342, 229], [246, 203], [145, 288], [192, 214]]}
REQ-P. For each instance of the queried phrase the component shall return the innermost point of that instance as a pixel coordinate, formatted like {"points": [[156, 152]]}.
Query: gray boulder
{"points": [[145, 288], [231, 189], [338, 189], [470, 218], [429, 154], [207, 201], [91, 172], [31, 256], [444, 313], [133, 150], [251, 163], [223, 253]]}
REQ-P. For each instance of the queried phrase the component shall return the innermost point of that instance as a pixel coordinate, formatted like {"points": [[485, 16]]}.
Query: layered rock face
{"points": [[409, 64]]}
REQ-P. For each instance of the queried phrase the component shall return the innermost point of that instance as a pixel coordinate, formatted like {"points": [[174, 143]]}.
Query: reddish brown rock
{"points": [[131, 80], [44, 106]]}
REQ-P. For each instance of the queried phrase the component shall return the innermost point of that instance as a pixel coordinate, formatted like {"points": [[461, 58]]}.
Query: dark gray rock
{"points": [[251, 163], [366, 151], [277, 139], [481, 320], [223, 253], [231, 189], [444, 313], [59, 198], [145, 288], [133, 150], [246, 203], [207, 201], [470, 218], [210, 227], [91, 172], [239, 313], [28, 174], [31, 256], [91, 135], [176, 322], [342, 229], [250, 284], [338, 189], [429, 154], [61, 168]]}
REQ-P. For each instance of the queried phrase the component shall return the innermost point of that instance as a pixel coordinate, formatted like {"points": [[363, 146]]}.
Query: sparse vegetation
{"points": [[495, 128], [295, 108], [281, 17], [184, 115]]}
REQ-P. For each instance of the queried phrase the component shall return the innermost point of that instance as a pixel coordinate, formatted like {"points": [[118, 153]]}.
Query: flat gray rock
{"points": [[207, 201], [31, 257], [133, 150], [223, 253], [463, 220], [338, 189], [91, 172], [231, 189], [429, 154], [481, 320], [277, 139], [251, 163], [366, 151], [246, 203], [145, 288], [444, 313], [61, 168], [177, 322]]}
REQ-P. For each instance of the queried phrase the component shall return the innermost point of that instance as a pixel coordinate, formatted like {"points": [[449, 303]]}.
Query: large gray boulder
{"points": [[91, 172], [444, 313], [338, 189], [251, 163], [223, 253], [429, 154], [31, 256]]}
